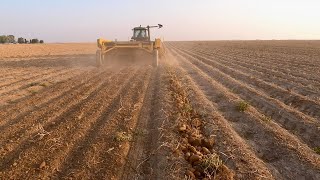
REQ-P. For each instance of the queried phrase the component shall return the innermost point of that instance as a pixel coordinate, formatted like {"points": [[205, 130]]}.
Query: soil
{"points": [[211, 110], [45, 50]]}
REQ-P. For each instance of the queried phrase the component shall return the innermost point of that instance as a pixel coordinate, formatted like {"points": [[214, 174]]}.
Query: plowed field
{"points": [[211, 110]]}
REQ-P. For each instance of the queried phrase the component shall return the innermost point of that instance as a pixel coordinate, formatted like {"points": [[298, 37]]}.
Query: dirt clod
{"points": [[208, 143], [205, 150], [183, 128], [193, 149], [194, 141], [190, 174], [194, 158], [42, 165], [196, 122]]}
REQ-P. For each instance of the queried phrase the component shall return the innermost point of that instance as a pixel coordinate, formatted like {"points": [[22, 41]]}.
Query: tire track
{"points": [[125, 121], [144, 160]]}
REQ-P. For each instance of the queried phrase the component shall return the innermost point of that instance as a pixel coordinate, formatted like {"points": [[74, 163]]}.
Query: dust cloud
{"points": [[120, 58]]}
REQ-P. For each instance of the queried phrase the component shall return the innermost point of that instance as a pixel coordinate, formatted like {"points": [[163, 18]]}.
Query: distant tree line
{"points": [[11, 39], [7, 39]]}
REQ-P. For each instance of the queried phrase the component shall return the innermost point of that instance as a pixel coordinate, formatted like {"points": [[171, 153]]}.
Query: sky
{"points": [[87, 20]]}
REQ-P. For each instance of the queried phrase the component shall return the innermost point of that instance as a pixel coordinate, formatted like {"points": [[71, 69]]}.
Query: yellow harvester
{"points": [[140, 47]]}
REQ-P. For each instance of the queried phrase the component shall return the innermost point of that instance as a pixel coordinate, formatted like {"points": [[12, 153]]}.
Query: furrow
{"points": [[15, 94], [32, 77], [23, 126], [270, 73], [284, 81], [300, 125], [250, 127], [306, 106], [234, 150], [28, 104], [64, 129], [11, 73], [99, 157], [272, 64], [27, 84], [286, 72], [145, 159]]}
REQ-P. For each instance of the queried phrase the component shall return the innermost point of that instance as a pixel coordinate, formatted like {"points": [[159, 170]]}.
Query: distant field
{"points": [[31, 50], [28, 68], [219, 109]]}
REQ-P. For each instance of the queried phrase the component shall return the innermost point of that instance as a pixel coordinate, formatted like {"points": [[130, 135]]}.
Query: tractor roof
{"points": [[139, 28]]}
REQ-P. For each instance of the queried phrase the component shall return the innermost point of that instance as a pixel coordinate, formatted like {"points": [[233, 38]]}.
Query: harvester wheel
{"points": [[99, 58], [155, 58]]}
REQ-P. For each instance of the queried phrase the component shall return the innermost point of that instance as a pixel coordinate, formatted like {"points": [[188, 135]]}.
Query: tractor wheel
{"points": [[99, 58], [155, 62]]}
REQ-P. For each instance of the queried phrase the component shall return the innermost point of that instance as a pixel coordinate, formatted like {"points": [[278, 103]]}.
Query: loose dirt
{"points": [[211, 110], [45, 50]]}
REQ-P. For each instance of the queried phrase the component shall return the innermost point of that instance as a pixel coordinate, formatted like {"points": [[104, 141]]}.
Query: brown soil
{"points": [[36, 50], [212, 110]]}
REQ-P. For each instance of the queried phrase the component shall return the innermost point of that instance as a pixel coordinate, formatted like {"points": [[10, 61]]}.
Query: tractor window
{"points": [[140, 33]]}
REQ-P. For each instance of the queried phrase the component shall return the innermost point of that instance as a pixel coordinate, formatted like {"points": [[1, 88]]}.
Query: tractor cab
{"points": [[143, 33], [140, 34]]}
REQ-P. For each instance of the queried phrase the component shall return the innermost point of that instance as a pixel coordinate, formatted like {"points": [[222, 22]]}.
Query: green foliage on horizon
{"points": [[11, 39], [3, 39], [7, 39]]}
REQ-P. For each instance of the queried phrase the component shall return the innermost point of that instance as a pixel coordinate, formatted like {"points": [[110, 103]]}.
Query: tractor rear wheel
{"points": [[155, 62], [98, 58]]}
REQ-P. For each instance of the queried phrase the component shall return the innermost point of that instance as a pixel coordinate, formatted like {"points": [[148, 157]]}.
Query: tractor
{"points": [[139, 48]]}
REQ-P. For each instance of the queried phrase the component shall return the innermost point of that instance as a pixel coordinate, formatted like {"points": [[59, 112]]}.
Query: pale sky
{"points": [[87, 20]]}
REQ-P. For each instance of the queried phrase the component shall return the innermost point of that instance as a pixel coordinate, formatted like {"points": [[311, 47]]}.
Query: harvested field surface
{"points": [[44, 50], [211, 110]]}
